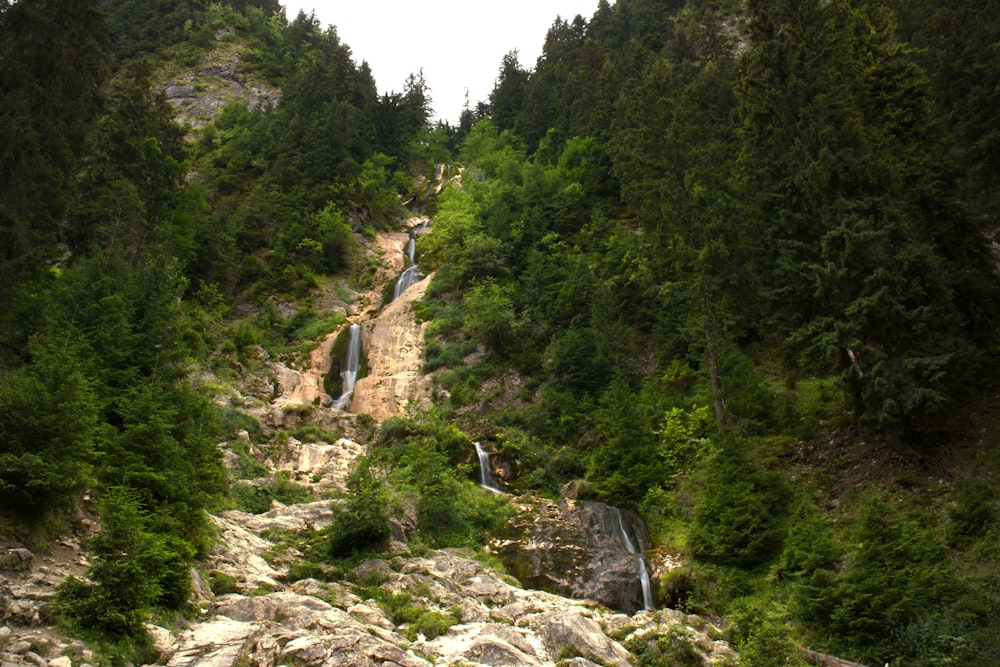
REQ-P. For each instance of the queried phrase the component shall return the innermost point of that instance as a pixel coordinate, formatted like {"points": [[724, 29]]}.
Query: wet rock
{"points": [[394, 345], [573, 548]]}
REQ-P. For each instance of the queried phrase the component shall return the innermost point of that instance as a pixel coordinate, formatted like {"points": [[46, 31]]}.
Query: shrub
{"points": [[895, 574], [361, 523], [251, 498], [222, 583], [972, 513]]}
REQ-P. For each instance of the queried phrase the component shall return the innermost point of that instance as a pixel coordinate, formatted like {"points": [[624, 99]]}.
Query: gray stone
{"points": [[579, 636]]}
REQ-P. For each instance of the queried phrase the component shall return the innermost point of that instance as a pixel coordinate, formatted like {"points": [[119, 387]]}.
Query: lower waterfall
{"points": [[487, 479], [647, 588], [352, 363]]}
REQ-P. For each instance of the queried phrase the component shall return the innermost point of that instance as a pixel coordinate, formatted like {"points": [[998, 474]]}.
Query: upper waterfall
{"points": [[411, 274]]}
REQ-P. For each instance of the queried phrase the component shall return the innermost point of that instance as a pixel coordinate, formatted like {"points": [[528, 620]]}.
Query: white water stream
{"points": [[647, 588], [487, 480], [412, 273], [352, 363]]}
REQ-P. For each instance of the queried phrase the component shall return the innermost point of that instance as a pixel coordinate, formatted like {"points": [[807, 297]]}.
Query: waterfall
{"points": [[412, 272], [352, 362], [647, 588], [486, 478], [411, 250]]}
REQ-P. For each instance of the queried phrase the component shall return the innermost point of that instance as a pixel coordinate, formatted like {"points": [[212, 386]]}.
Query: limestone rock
{"points": [[220, 642], [577, 635], [237, 554], [394, 345], [163, 639]]}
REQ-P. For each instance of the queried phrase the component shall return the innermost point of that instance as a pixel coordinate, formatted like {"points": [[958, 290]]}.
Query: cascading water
{"points": [[412, 273], [411, 250], [647, 588], [486, 478], [352, 363]]}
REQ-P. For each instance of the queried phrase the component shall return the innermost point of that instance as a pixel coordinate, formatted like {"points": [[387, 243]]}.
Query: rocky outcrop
{"points": [[199, 93], [492, 620], [574, 548], [394, 345]]}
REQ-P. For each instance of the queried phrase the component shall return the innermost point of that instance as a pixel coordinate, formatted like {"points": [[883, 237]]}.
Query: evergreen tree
{"points": [[850, 187], [53, 67], [507, 97]]}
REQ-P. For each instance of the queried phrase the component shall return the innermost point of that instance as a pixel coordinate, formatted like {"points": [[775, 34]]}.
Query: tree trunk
{"points": [[716, 379]]}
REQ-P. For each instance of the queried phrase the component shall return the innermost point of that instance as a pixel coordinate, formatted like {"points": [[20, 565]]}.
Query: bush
{"points": [[222, 583], [884, 593], [361, 523], [251, 498], [971, 513], [673, 649]]}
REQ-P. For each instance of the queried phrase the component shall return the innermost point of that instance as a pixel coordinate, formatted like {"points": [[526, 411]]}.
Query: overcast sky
{"points": [[458, 43]]}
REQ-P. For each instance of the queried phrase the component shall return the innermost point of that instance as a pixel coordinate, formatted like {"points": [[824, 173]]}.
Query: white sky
{"points": [[458, 43]]}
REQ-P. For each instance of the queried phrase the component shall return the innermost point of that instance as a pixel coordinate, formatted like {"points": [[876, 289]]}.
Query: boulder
{"points": [[219, 642], [575, 548], [573, 634]]}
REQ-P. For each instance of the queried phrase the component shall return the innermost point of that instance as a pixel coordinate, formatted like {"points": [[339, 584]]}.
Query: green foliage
{"points": [[361, 522], [671, 649], [490, 316], [131, 569], [49, 431], [404, 610], [760, 632], [257, 498], [422, 454], [973, 512], [222, 583], [54, 64], [894, 573], [739, 511]]}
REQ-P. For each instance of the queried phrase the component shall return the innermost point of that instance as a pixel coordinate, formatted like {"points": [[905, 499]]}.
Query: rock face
{"points": [[394, 345], [574, 548], [199, 94]]}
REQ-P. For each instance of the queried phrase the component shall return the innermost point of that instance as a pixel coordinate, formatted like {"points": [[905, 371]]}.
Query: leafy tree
{"points": [[361, 523], [490, 315]]}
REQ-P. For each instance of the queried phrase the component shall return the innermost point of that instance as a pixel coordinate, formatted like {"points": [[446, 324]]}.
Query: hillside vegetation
{"points": [[731, 264]]}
